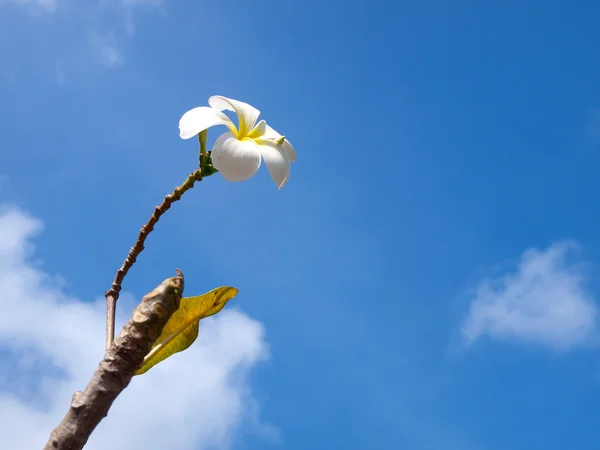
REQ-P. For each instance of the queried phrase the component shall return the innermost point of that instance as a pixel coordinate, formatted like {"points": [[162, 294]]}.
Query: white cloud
{"points": [[51, 343], [544, 302]]}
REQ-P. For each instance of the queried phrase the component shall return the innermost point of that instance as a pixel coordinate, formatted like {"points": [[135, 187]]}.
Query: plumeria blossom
{"points": [[237, 153]]}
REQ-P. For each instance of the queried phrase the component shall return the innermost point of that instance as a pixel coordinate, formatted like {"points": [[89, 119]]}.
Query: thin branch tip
{"points": [[112, 294]]}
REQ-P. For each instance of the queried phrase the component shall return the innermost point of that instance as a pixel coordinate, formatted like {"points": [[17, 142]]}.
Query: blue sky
{"points": [[428, 277]]}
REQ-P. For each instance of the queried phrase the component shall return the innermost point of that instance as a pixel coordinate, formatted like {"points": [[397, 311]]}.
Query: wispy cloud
{"points": [[106, 47], [37, 5], [51, 342], [92, 33], [544, 302]]}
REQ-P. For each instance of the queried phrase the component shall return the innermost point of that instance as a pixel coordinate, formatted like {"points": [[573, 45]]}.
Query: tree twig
{"points": [[121, 361], [113, 293]]}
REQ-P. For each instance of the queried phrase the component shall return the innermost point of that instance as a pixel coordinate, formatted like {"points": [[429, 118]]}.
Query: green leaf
{"points": [[182, 328]]}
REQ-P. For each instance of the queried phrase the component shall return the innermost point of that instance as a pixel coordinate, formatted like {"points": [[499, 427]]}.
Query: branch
{"points": [[113, 293], [122, 359]]}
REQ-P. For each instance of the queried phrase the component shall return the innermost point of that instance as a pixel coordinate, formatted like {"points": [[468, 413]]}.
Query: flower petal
{"points": [[247, 114], [270, 133], [259, 130], [236, 160], [277, 162], [199, 119]]}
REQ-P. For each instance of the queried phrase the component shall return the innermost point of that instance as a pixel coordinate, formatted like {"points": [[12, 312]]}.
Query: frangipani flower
{"points": [[237, 153]]}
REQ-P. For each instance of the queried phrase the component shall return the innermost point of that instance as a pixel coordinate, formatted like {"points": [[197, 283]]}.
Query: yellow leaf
{"points": [[182, 328]]}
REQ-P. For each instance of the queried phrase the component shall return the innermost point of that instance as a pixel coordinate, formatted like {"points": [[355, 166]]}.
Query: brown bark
{"points": [[121, 361]]}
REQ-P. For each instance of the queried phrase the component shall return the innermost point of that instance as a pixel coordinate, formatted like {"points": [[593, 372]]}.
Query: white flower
{"points": [[237, 153]]}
